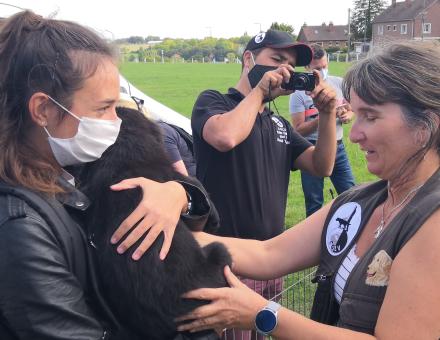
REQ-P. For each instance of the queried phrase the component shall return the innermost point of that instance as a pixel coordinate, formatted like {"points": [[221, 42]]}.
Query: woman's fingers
{"points": [[232, 280], [128, 223], [200, 325], [203, 294], [146, 243], [168, 239], [130, 183], [200, 313], [158, 211], [135, 234]]}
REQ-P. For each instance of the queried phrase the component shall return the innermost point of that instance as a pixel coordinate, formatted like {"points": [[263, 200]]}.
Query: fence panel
{"points": [[297, 295]]}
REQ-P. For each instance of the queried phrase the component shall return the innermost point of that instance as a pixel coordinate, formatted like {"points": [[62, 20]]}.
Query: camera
{"points": [[300, 82]]}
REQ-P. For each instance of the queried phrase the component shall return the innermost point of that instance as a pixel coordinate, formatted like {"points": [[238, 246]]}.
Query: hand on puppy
{"points": [[159, 211]]}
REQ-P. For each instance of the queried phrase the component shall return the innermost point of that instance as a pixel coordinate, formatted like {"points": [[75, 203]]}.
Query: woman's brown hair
{"points": [[39, 55], [407, 74]]}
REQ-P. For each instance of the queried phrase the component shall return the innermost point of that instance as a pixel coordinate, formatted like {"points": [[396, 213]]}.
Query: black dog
{"points": [[145, 295]]}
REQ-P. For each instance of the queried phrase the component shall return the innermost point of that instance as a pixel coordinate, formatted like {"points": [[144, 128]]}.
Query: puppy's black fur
{"points": [[145, 295]]}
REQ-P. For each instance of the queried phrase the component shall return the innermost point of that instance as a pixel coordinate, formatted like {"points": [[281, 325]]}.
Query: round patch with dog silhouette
{"points": [[343, 227]]}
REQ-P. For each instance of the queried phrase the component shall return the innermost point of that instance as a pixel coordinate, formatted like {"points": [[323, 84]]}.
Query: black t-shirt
{"points": [[249, 183]]}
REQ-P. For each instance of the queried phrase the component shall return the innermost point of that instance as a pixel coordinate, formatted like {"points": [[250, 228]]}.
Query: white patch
{"points": [[343, 227], [260, 37], [378, 272], [281, 131]]}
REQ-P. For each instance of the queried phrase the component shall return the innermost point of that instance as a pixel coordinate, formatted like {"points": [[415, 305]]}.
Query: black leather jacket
{"points": [[48, 288]]}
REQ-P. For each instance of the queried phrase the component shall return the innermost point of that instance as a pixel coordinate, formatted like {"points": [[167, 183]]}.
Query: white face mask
{"points": [[94, 136], [324, 73]]}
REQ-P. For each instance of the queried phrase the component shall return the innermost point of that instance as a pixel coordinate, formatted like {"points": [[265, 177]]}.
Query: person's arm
{"points": [[180, 167], [319, 160], [304, 128], [172, 140], [40, 298], [410, 309], [298, 112], [293, 250], [227, 130], [237, 307]]}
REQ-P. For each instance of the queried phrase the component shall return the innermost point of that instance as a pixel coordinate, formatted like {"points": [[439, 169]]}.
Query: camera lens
{"points": [[301, 81]]}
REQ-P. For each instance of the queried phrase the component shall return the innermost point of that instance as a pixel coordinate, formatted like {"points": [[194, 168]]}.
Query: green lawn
{"points": [[178, 85]]}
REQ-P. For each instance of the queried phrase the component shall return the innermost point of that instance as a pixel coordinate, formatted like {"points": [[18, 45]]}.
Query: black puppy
{"points": [[145, 295]]}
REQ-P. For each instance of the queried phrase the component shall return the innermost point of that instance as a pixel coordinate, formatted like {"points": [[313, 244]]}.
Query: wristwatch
{"points": [[267, 318]]}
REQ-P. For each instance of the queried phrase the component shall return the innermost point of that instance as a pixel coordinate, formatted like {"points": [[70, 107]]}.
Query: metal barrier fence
{"points": [[296, 294]]}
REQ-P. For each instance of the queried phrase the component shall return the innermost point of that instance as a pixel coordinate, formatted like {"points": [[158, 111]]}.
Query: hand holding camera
{"points": [[271, 79], [323, 95], [300, 81]]}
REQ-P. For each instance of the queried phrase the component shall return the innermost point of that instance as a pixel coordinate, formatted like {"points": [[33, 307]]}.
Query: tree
{"points": [[152, 38], [362, 17], [231, 57], [135, 40], [283, 27]]}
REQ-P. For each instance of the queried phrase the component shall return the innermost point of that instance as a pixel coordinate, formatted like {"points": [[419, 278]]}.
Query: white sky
{"points": [[187, 18]]}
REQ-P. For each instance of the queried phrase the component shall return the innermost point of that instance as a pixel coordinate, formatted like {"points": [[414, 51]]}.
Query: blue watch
{"points": [[267, 318]]}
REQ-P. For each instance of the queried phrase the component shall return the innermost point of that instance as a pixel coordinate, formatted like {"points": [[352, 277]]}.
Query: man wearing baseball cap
{"points": [[244, 153]]}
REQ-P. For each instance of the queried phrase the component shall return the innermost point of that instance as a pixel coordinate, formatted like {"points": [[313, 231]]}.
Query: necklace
{"points": [[383, 220]]}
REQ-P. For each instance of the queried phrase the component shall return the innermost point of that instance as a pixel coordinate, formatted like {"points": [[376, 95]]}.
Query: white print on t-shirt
{"points": [[343, 227], [281, 131]]}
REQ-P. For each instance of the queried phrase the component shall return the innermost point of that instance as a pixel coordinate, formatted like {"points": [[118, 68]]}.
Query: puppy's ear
{"points": [[387, 268]]}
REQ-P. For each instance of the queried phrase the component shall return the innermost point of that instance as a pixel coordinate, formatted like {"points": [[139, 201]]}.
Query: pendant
{"points": [[379, 229]]}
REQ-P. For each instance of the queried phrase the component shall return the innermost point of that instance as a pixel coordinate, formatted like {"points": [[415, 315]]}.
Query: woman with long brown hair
{"points": [[59, 86]]}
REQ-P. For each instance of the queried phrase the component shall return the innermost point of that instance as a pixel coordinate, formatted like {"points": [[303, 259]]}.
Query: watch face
{"points": [[266, 321]]}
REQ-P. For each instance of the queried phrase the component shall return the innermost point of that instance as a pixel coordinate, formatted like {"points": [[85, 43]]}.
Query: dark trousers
{"points": [[341, 177]]}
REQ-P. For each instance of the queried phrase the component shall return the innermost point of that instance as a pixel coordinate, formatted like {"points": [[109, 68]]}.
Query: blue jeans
{"points": [[341, 177]]}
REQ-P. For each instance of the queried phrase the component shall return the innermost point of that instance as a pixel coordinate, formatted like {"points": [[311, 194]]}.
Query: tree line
{"points": [[209, 49], [199, 50]]}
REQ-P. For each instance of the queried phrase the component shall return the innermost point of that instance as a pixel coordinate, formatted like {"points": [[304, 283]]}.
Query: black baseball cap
{"points": [[283, 40]]}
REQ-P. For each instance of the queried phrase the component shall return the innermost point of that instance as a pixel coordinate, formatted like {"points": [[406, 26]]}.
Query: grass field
{"points": [[178, 85]]}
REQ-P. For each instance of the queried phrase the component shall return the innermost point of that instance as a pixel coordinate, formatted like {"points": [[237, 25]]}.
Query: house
{"points": [[328, 36], [407, 20]]}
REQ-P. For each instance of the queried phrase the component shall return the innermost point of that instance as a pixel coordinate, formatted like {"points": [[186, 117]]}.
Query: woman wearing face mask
{"points": [[376, 245], [59, 88]]}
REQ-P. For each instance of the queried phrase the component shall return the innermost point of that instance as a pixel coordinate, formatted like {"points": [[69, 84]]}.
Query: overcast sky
{"points": [[187, 18]]}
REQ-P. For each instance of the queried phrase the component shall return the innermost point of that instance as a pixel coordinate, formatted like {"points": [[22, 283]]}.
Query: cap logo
{"points": [[260, 37]]}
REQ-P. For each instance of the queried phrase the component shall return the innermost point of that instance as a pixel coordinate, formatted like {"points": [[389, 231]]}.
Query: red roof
{"points": [[403, 10]]}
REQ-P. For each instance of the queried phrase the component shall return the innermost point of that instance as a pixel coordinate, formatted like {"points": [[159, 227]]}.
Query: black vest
{"points": [[367, 283]]}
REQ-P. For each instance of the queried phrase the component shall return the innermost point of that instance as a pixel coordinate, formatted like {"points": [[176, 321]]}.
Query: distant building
{"points": [[2, 21], [407, 20], [328, 36], [154, 42]]}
